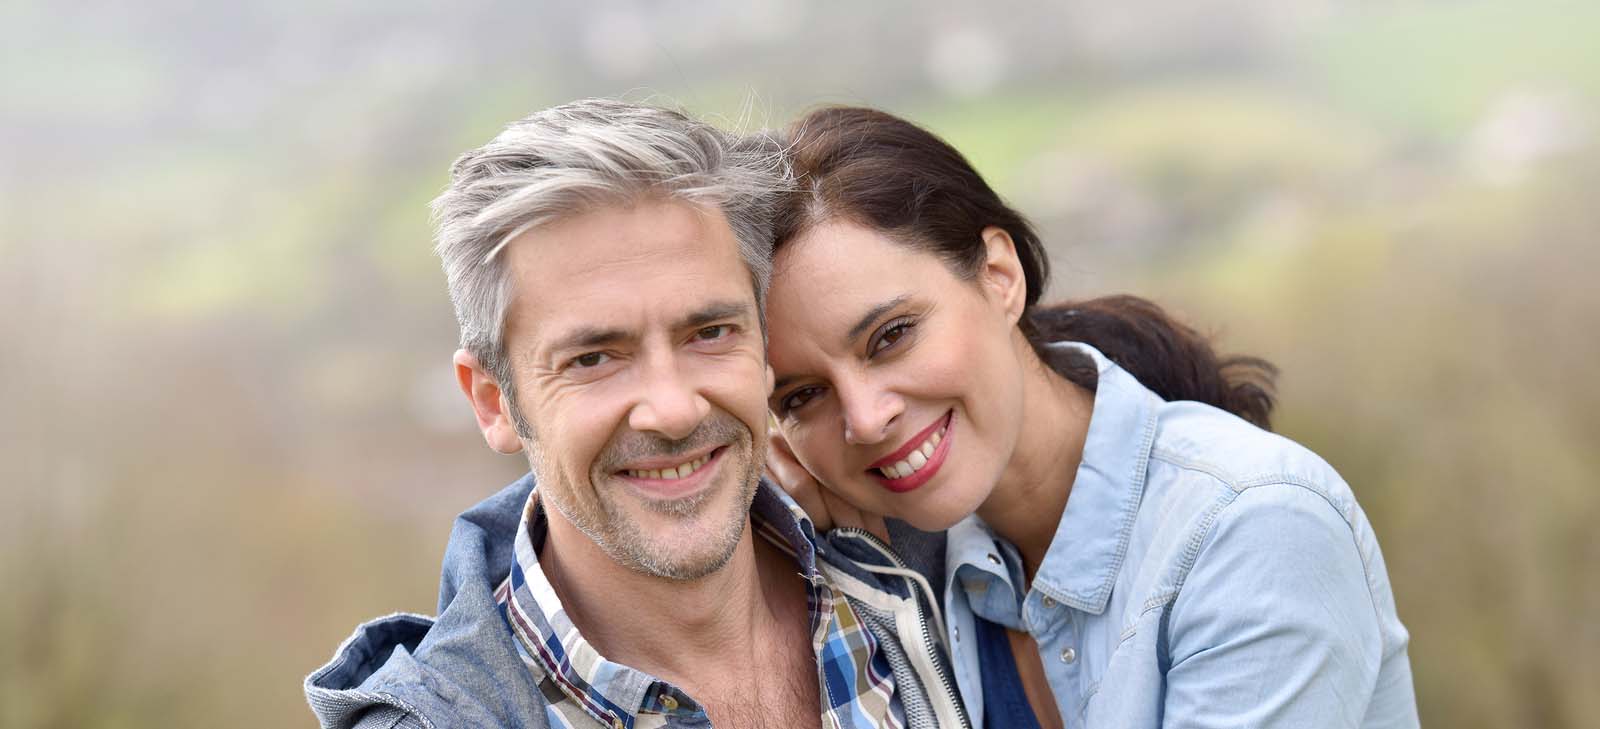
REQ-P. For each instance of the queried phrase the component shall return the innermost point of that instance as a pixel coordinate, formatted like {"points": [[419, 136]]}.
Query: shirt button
{"points": [[1068, 655], [1049, 602], [994, 559], [669, 703]]}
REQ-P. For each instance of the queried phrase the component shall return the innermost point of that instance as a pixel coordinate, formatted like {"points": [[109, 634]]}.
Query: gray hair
{"points": [[572, 158]]}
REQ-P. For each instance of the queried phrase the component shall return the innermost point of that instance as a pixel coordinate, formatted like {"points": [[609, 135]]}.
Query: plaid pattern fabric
{"points": [[586, 690]]}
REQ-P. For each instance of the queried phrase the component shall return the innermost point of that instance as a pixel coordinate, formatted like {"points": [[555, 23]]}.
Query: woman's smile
{"points": [[918, 460]]}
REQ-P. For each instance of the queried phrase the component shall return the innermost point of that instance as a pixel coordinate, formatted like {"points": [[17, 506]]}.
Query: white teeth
{"points": [[916, 460], [682, 470]]}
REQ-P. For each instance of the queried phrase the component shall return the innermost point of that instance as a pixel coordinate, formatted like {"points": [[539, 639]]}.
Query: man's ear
{"points": [[1002, 277], [488, 403]]}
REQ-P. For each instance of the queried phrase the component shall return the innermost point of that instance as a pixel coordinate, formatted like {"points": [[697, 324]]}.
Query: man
{"points": [[608, 264]]}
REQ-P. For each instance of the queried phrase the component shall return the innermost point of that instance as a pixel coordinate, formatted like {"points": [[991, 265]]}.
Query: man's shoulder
{"points": [[372, 672], [460, 668]]}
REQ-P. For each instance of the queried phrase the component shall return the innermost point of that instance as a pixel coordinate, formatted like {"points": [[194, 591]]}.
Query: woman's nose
{"points": [[868, 413]]}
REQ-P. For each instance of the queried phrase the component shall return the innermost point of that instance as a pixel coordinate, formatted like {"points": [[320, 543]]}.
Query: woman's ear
{"points": [[1002, 278]]}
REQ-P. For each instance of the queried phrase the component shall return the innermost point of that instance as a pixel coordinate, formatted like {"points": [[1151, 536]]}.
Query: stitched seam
{"points": [[1131, 511], [392, 700]]}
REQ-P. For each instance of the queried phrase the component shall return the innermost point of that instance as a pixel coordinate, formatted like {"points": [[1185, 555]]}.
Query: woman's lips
{"points": [[906, 456]]}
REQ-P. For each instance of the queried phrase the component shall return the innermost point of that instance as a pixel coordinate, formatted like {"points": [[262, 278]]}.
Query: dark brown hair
{"points": [[879, 171]]}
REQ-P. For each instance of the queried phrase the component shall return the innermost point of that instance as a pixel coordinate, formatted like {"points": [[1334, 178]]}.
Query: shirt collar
{"points": [[612, 693], [1091, 540]]}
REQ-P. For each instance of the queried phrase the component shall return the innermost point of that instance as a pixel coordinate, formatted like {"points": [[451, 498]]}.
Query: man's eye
{"points": [[706, 334], [590, 359]]}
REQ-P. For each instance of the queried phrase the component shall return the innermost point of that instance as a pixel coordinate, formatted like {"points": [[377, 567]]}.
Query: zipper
{"points": [[922, 620]]}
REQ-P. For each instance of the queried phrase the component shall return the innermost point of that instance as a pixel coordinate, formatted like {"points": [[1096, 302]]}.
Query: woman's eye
{"points": [[590, 359], [892, 334], [796, 399]]}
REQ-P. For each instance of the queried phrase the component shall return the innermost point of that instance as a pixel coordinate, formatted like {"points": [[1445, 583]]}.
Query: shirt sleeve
{"points": [[1275, 625]]}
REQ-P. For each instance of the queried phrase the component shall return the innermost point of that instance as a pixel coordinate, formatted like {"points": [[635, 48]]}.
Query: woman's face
{"points": [[899, 385]]}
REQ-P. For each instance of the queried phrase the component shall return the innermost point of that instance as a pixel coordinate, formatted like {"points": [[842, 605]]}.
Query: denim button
{"points": [[994, 559], [1068, 655], [669, 703], [1049, 602], [957, 631]]}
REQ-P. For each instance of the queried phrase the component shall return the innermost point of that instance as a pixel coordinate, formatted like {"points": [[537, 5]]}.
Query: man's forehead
{"points": [[620, 237], [613, 268]]}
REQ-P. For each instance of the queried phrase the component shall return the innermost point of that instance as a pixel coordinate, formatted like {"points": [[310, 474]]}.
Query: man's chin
{"points": [[684, 547], [678, 562]]}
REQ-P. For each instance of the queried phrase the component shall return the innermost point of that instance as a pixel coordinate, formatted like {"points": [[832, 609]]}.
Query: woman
{"points": [[1127, 544]]}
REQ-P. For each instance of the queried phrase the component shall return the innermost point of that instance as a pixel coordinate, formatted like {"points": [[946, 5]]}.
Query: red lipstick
{"points": [[928, 470]]}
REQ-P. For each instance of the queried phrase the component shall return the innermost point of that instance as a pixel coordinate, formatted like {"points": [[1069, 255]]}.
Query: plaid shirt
{"points": [[586, 690]]}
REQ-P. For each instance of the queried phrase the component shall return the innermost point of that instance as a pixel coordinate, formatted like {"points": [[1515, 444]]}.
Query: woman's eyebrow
{"points": [[871, 316]]}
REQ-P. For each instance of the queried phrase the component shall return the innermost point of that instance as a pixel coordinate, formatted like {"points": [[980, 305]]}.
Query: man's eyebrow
{"points": [[713, 312], [587, 337], [873, 315]]}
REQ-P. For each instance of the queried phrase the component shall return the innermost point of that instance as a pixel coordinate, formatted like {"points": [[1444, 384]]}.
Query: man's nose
{"points": [[669, 404], [868, 412]]}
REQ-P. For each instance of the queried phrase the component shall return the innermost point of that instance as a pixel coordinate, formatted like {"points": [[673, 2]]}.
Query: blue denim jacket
{"points": [[1205, 573], [463, 668]]}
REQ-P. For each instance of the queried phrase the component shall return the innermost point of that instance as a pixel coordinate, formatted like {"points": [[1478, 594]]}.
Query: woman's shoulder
{"points": [[1199, 441], [1210, 472]]}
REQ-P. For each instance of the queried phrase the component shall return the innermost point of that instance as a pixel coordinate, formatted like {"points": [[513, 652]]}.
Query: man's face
{"points": [[638, 362]]}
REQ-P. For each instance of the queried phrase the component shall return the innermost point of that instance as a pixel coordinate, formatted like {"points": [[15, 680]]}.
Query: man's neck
{"points": [[678, 630]]}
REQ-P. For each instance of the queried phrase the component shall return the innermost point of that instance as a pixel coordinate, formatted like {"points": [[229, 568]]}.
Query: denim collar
{"points": [[1091, 541]]}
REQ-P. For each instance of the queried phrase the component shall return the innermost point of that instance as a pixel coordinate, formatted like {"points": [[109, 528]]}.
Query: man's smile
{"points": [[673, 477]]}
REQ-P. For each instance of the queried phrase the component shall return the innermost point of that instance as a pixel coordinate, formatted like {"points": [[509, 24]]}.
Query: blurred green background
{"points": [[228, 428]]}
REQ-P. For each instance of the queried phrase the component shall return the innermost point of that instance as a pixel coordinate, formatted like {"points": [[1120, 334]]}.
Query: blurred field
{"points": [[228, 431]]}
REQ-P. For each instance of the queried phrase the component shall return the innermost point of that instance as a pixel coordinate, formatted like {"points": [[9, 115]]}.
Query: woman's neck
{"points": [[1027, 502]]}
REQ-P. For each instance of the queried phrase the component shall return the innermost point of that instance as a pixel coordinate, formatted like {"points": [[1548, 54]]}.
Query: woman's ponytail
{"points": [[1171, 359]]}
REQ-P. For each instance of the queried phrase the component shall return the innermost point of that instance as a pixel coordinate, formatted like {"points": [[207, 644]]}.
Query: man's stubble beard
{"points": [[626, 542]]}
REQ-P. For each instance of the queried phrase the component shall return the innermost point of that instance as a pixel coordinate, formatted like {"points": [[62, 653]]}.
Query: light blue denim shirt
{"points": [[1205, 573]]}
